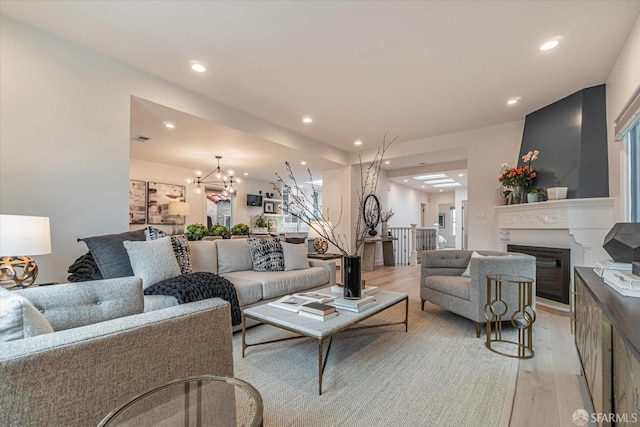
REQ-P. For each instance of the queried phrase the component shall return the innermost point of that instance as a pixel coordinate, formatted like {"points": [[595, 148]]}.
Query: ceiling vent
{"points": [[140, 138]]}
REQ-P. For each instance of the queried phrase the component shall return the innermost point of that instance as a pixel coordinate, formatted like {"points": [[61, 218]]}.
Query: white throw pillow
{"points": [[467, 272], [19, 318], [295, 256], [153, 260]]}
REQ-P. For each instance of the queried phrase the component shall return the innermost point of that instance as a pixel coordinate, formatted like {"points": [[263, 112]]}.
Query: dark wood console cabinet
{"points": [[607, 335]]}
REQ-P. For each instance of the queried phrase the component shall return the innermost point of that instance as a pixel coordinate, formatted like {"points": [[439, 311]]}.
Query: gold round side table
{"points": [[522, 319]]}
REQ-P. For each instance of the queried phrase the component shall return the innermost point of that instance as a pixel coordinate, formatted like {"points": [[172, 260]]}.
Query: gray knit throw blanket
{"points": [[198, 286]]}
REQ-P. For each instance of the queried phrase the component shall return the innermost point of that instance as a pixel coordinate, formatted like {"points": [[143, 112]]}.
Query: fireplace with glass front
{"points": [[553, 266]]}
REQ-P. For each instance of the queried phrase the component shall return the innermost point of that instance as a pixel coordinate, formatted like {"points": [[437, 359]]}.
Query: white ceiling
{"points": [[360, 68]]}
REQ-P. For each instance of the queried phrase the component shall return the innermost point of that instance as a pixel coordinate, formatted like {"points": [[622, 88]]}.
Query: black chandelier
{"points": [[219, 178]]}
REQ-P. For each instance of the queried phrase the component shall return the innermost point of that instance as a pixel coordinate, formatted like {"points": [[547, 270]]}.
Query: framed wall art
{"points": [[441, 220], [158, 197], [269, 207], [137, 202]]}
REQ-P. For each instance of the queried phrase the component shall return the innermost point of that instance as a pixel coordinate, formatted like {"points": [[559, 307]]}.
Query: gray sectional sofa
{"points": [[105, 350], [232, 259]]}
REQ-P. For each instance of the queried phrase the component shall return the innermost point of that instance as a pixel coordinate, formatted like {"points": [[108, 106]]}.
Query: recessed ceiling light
{"points": [[441, 191], [432, 176], [424, 186], [303, 163], [198, 67], [512, 101], [170, 125], [460, 174], [450, 184], [406, 180], [307, 119], [386, 162], [549, 45], [357, 142], [439, 181], [246, 174]]}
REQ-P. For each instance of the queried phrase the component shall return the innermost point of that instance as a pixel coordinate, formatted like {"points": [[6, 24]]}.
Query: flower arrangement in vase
{"points": [[385, 216], [518, 178]]}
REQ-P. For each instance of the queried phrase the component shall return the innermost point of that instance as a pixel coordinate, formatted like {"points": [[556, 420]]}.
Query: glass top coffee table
{"points": [[205, 400], [318, 329]]}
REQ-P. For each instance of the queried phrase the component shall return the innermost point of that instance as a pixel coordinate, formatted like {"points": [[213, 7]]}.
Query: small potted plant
{"points": [[240, 230], [196, 231], [261, 225], [536, 195], [220, 230]]}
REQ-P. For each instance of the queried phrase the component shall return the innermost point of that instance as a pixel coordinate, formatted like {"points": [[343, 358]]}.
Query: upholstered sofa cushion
{"points": [[248, 291], [233, 255], [19, 318], [180, 246], [452, 285], [467, 272], [110, 254], [153, 260], [157, 302], [295, 256], [279, 283], [204, 255], [72, 305]]}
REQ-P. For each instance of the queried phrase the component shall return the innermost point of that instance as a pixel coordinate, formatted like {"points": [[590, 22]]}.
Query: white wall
{"points": [[406, 203], [436, 199], [622, 82], [64, 139], [461, 194]]}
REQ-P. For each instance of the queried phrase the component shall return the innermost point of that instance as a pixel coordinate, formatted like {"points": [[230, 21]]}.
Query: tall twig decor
{"points": [[302, 206]]}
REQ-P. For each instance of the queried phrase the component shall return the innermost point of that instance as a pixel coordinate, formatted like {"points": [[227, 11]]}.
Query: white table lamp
{"points": [[179, 210], [20, 238]]}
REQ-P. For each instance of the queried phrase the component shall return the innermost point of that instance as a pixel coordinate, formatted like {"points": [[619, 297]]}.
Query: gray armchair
{"points": [[105, 350], [442, 283]]}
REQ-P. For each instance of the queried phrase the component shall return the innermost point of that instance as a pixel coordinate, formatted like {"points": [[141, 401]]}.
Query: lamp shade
{"points": [[179, 208], [24, 235], [322, 226]]}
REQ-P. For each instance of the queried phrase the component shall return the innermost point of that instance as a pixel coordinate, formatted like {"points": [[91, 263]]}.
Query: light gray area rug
{"points": [[437, 374]]}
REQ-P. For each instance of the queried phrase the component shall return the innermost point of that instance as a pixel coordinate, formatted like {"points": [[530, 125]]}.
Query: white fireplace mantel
{"points": [[581, 224]]}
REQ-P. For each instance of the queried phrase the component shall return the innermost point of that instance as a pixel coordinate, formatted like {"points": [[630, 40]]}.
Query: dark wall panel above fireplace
{"points": [[571, 135]]}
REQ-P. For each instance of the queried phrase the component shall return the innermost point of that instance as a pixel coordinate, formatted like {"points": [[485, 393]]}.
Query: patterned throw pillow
{"points": [[266, 254], [180, 246]]}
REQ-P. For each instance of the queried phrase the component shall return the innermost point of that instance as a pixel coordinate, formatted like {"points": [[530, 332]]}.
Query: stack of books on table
{"points": [[607, 267], [355, 305], [625, 283], [369, 290], [318, 311], [296, 301]]}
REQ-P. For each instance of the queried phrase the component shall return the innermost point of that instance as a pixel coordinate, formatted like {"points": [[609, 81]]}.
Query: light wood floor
{"points": [[550, 386]]}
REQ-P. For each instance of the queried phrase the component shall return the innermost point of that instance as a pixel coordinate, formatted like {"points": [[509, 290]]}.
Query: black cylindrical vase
{"points": [[352, 276]]}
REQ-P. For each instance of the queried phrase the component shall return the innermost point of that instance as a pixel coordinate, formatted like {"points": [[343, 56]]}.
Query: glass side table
{"points": [[522, 319], [205, 400]]}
